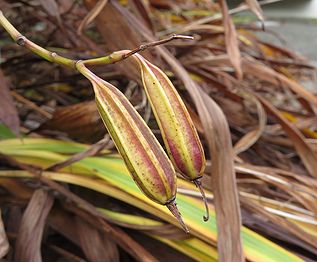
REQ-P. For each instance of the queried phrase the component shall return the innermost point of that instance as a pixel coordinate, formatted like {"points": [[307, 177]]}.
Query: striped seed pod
{"points": [[144, 157], [179, 134]]}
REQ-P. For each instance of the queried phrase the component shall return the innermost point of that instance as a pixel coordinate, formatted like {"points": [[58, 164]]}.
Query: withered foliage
{"points": [[247, 98]]}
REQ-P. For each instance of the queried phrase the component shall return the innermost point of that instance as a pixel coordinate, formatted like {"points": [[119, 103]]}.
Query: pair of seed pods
{"points": [[144, 157]]}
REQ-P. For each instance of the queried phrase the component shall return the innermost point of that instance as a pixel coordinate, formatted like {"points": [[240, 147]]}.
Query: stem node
{"points": [[21, 40]]}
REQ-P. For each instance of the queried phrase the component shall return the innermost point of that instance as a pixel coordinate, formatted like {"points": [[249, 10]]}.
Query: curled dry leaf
{"points": [[29, 238], [304, 150], [4, 243], [97, 247], [143, 10], [231, 39], [51, 8], [282, 222], [91, 15], [80, 121], [255, 8], [252, 67], [251, 137]]}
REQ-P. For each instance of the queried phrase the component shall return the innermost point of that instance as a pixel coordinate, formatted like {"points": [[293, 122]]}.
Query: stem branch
{"points": [[55, 58]]}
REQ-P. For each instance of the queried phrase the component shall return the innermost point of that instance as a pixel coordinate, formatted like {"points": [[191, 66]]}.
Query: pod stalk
{"points": [[197, 182], [172, 206]]}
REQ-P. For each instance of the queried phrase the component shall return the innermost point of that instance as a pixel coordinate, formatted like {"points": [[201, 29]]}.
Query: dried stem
{"points": [[197, 182], [124, 54], [155, 43], [172, 206]]}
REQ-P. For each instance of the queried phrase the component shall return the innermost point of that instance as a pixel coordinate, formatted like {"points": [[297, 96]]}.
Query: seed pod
{"points": [[179, 134], [144, 157]]}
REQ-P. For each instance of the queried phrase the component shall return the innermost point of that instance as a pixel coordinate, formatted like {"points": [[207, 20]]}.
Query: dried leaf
{"points": [[255, 8], [70, 257], [51, 8], [4, 243], [28, 243], [251, 137], [141, 8], [91, 15], [306, 153], [8, 113], [252, 67], [126, 242], [96, 247], [282, 222], [16, 188], [80, 121], [231, 39]]}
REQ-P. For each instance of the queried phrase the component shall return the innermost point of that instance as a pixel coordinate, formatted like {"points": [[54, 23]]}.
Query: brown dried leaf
{"points": [[231, 39], [16, 188], [4, 243], [28, 243], [8, 113], [251, 137], [92, 216], [120, 237], [223, 180], [70, 257], [252, 67], [306, 153], [141, 8], [91, 15], [80, 121], [282, 222], [51, 7], [63, 222], [96, 247], [255, 8]]}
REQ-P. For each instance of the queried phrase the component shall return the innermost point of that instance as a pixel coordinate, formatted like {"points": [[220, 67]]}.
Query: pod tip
{"points": [[174, 210], [197, 182]]}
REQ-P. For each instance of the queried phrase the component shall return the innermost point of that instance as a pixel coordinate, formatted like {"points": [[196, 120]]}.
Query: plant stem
{"points": [[15, 34], [105, 60], [124, 54], [55, 58]]}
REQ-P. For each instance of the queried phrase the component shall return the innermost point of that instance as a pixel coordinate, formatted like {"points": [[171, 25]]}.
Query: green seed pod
{"points": [[144, 157]]}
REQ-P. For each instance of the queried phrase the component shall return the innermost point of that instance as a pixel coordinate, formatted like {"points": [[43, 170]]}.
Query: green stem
{"points": [[15, 34], [52, 56], [109, 59]]}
